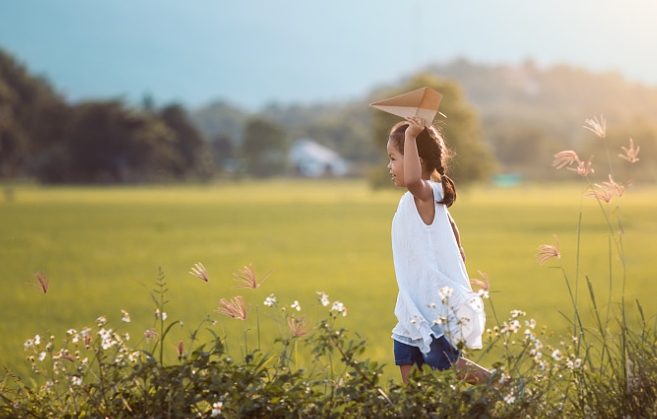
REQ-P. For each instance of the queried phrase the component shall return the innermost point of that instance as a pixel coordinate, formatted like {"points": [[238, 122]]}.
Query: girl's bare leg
{"points": [[405, 371]]}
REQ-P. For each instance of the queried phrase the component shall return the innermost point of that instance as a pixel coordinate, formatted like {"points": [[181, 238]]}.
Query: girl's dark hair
{"points": [[432, 150]]}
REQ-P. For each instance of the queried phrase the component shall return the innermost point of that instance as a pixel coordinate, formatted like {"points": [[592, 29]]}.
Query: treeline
{"points": [[90, 142], [500, 119]]}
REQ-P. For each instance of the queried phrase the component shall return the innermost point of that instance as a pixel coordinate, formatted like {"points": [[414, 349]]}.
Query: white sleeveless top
{"points": [[427, 259]]}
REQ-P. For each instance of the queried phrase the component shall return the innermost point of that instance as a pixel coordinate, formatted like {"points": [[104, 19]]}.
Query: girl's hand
{"points": [[415, 126]]}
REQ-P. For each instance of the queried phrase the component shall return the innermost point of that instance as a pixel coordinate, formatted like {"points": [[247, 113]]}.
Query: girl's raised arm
{"points": [[414, 177]]}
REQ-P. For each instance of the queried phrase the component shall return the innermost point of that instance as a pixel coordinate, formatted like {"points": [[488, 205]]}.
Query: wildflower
{"points": [[247, 277], [577, 363], [150, 334], [217, 407], [602, 193], [28, 344], [514, 326], [180, 348], [126, 316], [509, 398], [43, 282], [47, 386], [299, 327], [86, 336], [613, 188], [105, 334], [517, 313], [64, 354], [583, 169], [42, 356], [445, 293], [270, 301], [565, 158], [543, 365], [630, 153], [160, 315], [76, 381], [235, 308], [198, 270], [296, 305], [74, 335], [598, 127], [101, 320], [556, 355], [547, 252], [133, 356], [339, 307], [323, 298], [530, 323], [126, 336]]}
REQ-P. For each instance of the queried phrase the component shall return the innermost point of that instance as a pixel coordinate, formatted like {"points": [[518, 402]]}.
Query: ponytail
{"points": [[449, 190]]}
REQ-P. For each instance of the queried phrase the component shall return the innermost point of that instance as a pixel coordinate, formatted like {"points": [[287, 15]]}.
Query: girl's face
{"points": [[396, 165]]}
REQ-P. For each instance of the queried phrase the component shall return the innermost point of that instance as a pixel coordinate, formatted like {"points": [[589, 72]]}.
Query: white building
{"points": [[314, 160]]}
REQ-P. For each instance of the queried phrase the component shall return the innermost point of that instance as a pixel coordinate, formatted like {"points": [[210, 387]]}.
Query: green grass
{"points": [[101, 248]]}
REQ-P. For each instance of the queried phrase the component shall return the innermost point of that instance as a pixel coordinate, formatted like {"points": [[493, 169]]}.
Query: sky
{"points": [[252, 53]]}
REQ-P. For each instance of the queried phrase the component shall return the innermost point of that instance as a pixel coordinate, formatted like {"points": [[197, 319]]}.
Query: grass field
{"points": [[101, 249]]}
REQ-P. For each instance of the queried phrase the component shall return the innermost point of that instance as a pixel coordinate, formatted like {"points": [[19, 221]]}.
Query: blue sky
{"points": [[255, 52]]}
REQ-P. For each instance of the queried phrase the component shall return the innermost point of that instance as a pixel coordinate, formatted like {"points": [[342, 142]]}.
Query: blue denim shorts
{"points": [[442, 355]]}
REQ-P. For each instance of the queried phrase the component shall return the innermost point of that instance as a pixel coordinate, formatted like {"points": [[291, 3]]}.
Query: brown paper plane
{"points": [[422, 103]]}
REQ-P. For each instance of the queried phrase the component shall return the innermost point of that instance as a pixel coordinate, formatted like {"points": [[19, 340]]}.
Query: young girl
{"points": [[436, 307]]}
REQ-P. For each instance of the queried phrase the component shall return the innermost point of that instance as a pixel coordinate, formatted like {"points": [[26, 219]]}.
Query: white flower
{"points": [[556, 355], [530, 323], [217, 407], [76, 381], [445, 293], [324, 298], [270, 301], [28, 344], [509, 398], [516, 313], [37, 340], [338, 306], [101, 320], [296, 305], [159, 315], [126, 316], [42, 356]]}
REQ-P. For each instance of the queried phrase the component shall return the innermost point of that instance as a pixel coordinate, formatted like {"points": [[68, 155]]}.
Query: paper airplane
{"points": [[422, 103]]}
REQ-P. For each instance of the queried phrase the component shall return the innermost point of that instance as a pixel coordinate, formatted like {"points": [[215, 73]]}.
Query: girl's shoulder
{"points": [[437, 188]]}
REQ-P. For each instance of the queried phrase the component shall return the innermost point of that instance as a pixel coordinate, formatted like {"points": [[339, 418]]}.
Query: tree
{"points": [[473, 159], [188, 140], [32, 116], [264, 147]]}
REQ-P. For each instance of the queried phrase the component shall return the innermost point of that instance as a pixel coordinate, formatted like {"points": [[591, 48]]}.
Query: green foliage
{"points": [[31, 117], [472, 160], [264, 148], [91, 142]]}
